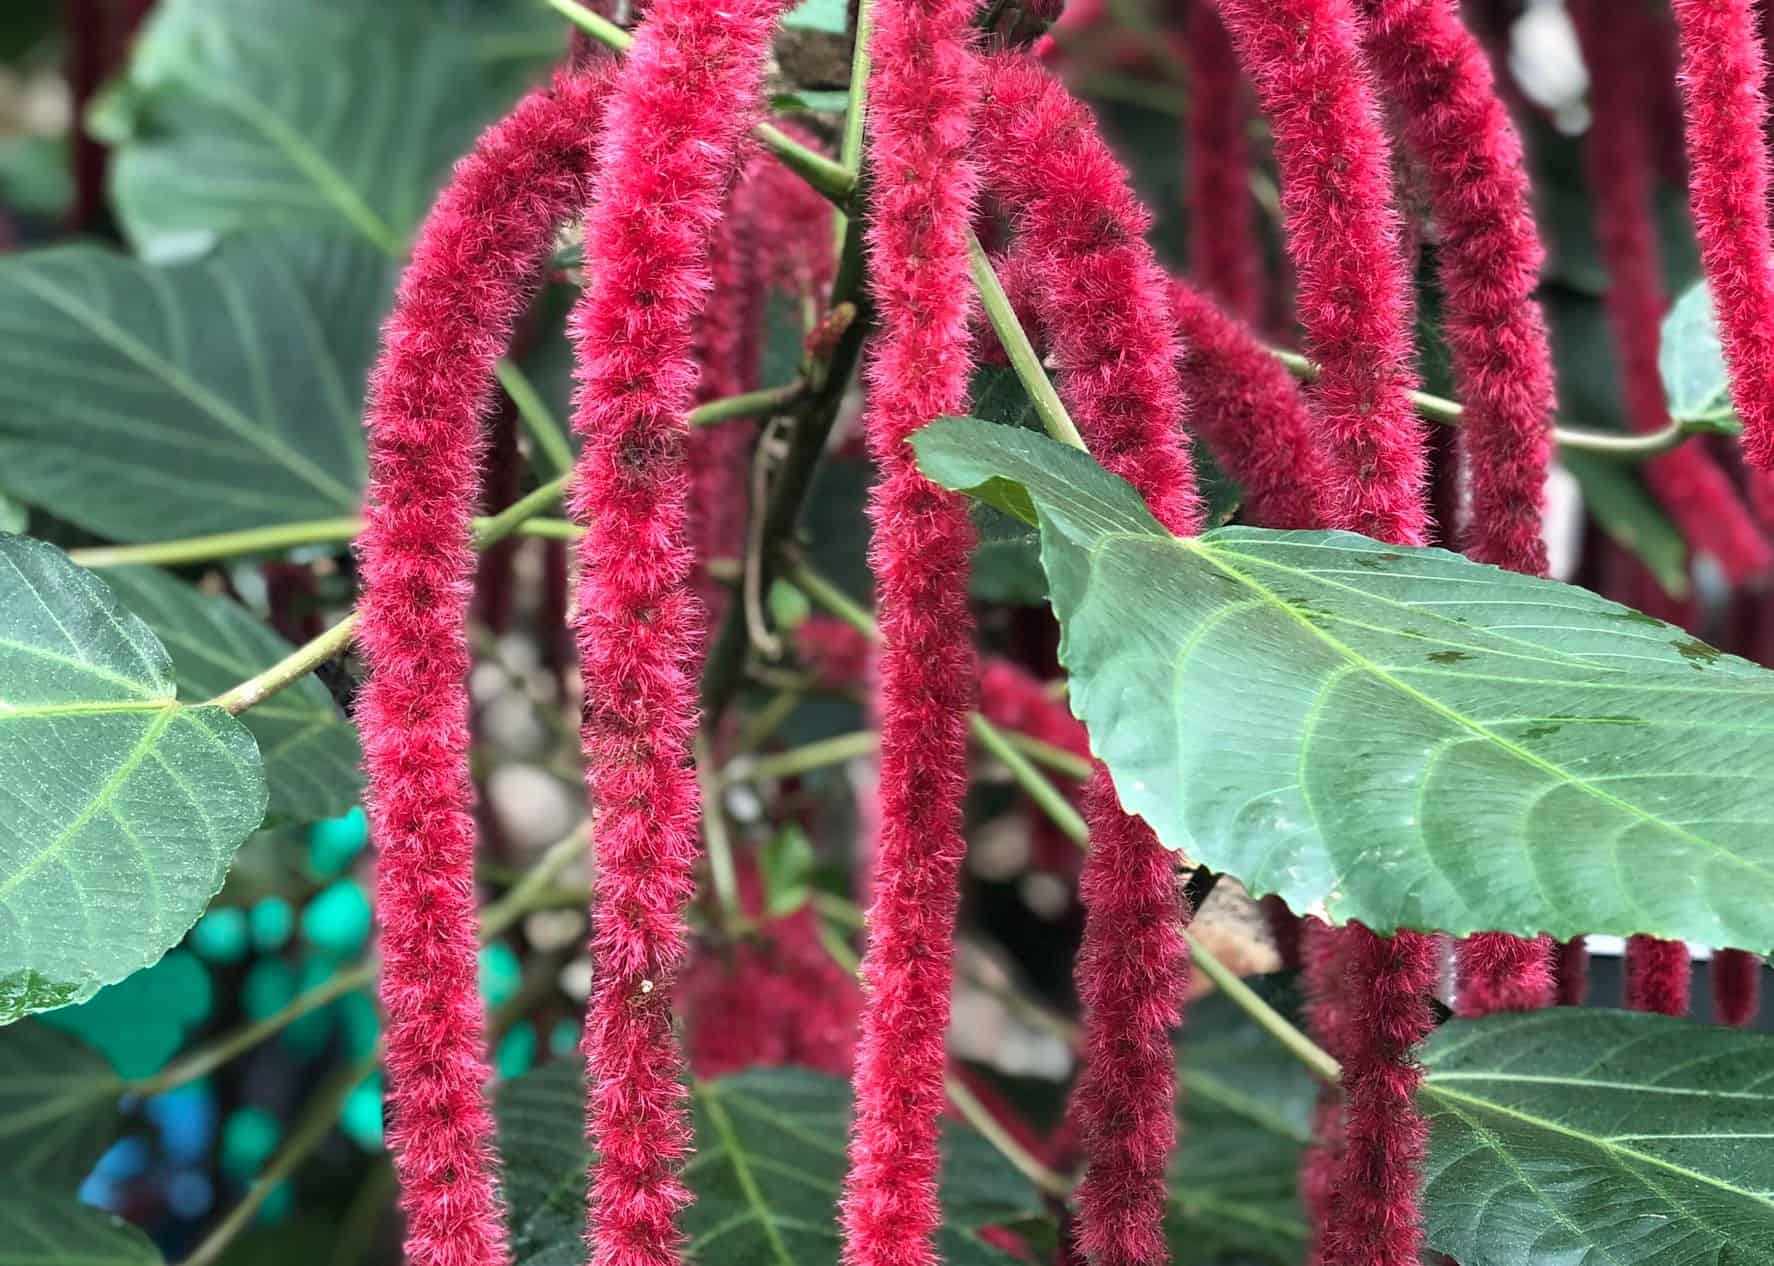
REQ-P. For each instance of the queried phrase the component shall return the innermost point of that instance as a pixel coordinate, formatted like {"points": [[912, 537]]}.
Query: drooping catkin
{"points": [[922, 93], [478, 258], [682, 102]]}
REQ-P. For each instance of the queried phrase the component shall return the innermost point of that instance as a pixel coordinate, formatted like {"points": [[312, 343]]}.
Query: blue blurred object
{"points": [[187, 1121], [190, 1194]]}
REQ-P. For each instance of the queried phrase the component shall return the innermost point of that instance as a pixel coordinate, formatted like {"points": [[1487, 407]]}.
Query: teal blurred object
{"points": [[270, 986], [362, 1023], [361, 1116], [501, 975], [249, 1138], [307, 1037], [220, 936], [272, 922], [338, 919], [140, 1022], [335, 843], [278, 1204], [517, 1052], [563, 1038]]}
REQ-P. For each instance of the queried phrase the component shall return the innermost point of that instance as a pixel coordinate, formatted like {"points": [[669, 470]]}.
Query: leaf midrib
{"points": [[748, 1185]]}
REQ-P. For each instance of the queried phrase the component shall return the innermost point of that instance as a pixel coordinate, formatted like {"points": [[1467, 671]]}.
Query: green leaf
{"points": [[1599, 1136], [309, 749], [329, 115], [770, 1153], [1395, 735], [1615, 495], [787, 863], [58, 1105], [145, 403], [1245, 1107], [34, 175], [121, 806], [42, 1227], [820, 15], [1693, 366]]}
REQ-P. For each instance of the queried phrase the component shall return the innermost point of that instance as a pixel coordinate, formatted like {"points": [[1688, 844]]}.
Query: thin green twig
{"points": [[543, 426], [1271, 1021], [1047, 404]]}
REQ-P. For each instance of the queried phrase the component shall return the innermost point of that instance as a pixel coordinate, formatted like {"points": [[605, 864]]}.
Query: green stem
{"points": [[1033, 782], [1619, 447], [1056, 758], [316, 1123], [513, 516], [1048, 406], [1272, 1022], [980, 1118], [714, 833], [287, 671], [197, 549], [544, 428], [748, 404], [828, 178], [761, 724], [800, 760]]}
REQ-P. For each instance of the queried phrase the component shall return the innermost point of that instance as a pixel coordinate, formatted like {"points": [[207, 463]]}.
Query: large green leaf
{"points": [[146, 403], [329, 115], [58, 1105], [309, 749], [770, 1149], [1579, 1136], [119, 807], [42, 1227], [1245, 1105], [1394, 735]]}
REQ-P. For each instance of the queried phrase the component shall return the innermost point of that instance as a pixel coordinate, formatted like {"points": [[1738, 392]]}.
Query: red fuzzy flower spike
{"points": [[681, 106], [1252, 414], [1618, 154], [1344, 236], [1727, 116], [1657, 976], [478, 258], [1387, 985], [1736, 987], [1439, 81], [922, 95], [1225, 257], [1104, 304], [1324, 954]]}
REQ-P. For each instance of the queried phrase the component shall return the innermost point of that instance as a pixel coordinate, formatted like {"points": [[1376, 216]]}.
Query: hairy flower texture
{"points": [[1439, 82], [1494, 972], [1388, 980], [1104, 303], [680, 109], [922, 94], [478, 258], [1617, 155], [1657, 976], [1225, 258], [1736, 977], [1726, 117], [1252, 415], [1345, 238], [1323, 964]]}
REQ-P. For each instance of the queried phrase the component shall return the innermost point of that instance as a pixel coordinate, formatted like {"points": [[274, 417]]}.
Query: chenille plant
{"points": [[659, 631]]}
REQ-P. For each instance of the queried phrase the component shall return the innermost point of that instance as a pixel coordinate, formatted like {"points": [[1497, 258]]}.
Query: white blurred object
{"points": [[1562, 528], [1546, 62]]}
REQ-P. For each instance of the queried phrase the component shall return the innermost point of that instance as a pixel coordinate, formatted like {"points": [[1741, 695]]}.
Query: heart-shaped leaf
{"points": [[770, 1154], [120, 807], [1393, 735], [309, 749], [42, 1227], [58, 1105], [1599, 1136], [329, 115], [146, 403]]}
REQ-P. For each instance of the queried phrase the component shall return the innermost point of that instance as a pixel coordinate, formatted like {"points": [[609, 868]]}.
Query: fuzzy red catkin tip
{"points": [[478, 257], [1657, 976], [1726, 129], [1344, 236], [1736, 987], [684, 97]]}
